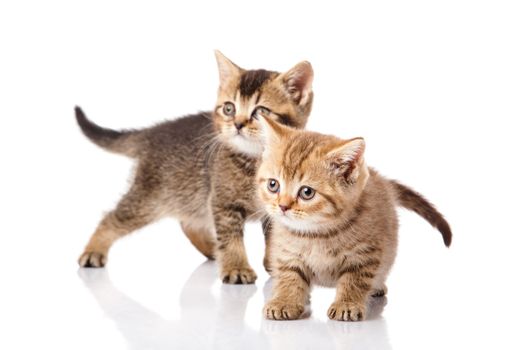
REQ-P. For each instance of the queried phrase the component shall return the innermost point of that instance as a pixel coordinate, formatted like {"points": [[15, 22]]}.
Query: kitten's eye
{"points": [[260, 111], [306, 193], [273, 185], [229, 109]]}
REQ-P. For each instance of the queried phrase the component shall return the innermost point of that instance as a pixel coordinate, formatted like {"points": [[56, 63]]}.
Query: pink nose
{"points": [[284, 208], [239, 126]]}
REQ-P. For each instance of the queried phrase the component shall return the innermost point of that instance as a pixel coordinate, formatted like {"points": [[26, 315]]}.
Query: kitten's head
{"points": [[307, 181], [245, 95]]}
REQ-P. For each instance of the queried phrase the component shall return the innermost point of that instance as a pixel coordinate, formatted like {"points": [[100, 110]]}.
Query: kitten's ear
{"points": [[298, 82], [345, 158], [271, 131], [227, 69]]}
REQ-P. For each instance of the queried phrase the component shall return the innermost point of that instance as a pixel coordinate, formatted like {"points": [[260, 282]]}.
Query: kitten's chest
{"points": [[323, 258]]}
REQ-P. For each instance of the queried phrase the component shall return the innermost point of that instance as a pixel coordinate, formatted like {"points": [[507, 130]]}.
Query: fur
{"points": [[344, 236], [200, 169]]}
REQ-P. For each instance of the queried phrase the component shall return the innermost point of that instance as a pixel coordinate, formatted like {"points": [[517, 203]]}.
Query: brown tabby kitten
{"points": [[201, 168], [334, 221]]}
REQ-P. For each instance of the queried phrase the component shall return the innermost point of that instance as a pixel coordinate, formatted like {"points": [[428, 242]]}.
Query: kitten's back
{"points": [[189, 133]]}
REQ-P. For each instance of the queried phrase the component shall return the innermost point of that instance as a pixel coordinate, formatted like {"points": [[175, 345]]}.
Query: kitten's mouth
{"points": [[244, 138], [294, 223], [285, 216], [288, 220], [243, 135]]}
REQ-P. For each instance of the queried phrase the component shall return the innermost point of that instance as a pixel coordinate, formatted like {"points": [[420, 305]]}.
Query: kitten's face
{"points": [[245, 95], [308, 181]]}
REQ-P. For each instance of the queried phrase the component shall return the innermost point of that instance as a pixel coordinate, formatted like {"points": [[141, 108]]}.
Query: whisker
{"points": [[208, 116], [211, 135], [257, 213]]}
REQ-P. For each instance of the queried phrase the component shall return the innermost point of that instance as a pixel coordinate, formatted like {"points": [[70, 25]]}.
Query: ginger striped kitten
{"points": [[200, 169], [334, 221]]}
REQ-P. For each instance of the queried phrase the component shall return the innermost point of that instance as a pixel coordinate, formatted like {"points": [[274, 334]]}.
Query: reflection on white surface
{"points": [[208, 321], [205, 322], [316, 334]]}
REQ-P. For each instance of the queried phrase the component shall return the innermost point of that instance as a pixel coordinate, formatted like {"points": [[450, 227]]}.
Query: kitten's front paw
{"points": [[346, 311], [92, 259], [281, 310], [244, 275]]}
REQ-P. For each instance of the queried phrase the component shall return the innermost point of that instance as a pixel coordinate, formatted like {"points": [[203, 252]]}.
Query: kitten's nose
{"points": [[284, 208], [238, 125]]}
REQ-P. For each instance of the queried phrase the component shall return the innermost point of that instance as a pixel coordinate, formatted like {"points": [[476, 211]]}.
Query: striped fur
{"points": [[345, 236], [200, 169]]}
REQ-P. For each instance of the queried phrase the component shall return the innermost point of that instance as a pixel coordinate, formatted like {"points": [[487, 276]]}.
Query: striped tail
{"points": [[409, 199], [123, 142]]}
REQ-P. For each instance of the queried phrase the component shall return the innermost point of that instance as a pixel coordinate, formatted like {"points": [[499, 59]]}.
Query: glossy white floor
{"points": [[158, 293]]}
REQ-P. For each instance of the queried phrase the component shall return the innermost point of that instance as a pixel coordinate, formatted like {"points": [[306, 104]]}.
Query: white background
{"points": [[436, 88]]}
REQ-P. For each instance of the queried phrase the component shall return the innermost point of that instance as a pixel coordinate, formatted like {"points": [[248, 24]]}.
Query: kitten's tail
{"points": [[410, 199], [122, 142]]}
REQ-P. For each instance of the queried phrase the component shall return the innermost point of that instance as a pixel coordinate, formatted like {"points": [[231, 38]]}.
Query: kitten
{"points": [[334, 221], [201, 168]]}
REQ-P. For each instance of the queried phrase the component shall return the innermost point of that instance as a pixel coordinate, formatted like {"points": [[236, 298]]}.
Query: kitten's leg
{"points": [[290, 294], [202, 239], [135, 210], [267, 230], [231, 254], [353, 288]]}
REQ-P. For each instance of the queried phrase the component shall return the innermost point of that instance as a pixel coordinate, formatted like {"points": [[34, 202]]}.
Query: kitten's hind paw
{"points": [[279, 310], [92, 259], [381, 292], [346, 311], [244, 275]]}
